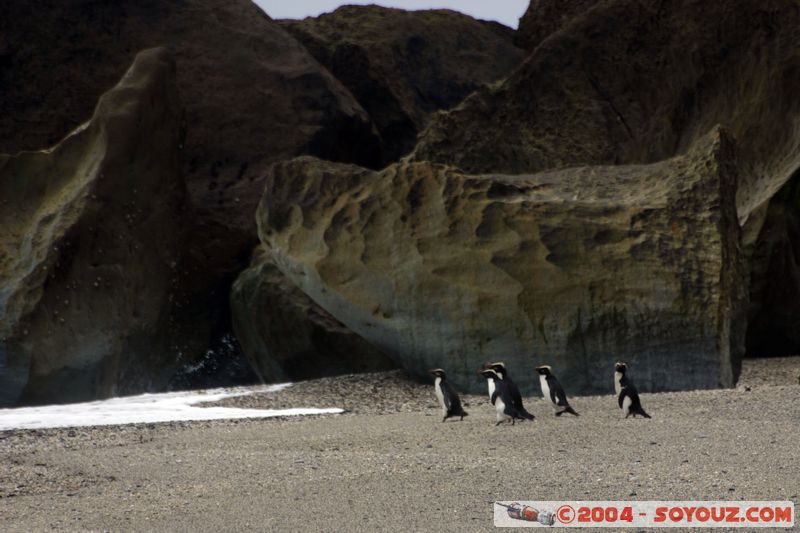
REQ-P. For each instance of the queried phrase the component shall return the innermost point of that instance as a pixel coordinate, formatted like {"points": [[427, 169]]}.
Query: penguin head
{"points": [[543, 370], [621, 367], [437, 372], [489, 373], [499, 367]]}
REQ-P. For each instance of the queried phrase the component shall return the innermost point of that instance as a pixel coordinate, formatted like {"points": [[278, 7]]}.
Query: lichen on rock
{"points": [[577, 267]]}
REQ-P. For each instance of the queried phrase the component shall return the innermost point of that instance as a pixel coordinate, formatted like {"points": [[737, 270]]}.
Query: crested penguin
{"points": [[516, 397], [447, 396], [501, 398], [489, 381], [553, 391], [627, 394]]}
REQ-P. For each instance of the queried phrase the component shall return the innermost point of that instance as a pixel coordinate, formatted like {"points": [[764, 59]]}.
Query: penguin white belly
{"points": [[617, 386], [626, 405], [490, 383], [546, 391], [437, 386], [500, 407]]}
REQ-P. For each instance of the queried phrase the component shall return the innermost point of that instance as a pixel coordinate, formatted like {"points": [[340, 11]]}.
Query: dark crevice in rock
{"points": [[774, 315]]}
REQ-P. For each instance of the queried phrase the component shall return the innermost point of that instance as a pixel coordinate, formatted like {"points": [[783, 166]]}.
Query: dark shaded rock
{"points": [[224, 365], [774, 322], [632, 81], [252, 95], [576, 268], [90, 234], [546, 17], [403, 65], [287, 336]]}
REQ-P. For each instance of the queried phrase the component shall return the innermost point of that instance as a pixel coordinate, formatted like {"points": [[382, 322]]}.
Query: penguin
{"points": [[448, 397], [619, 375], [516, 397], [501, 398], [553, 391], [489, 381], [627, 394]]}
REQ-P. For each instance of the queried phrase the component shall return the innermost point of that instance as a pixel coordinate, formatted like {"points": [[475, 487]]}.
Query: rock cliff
{"points": [[637, 81], [402, 66], [90, 238], [629, 81], [577, 267], [546, 17], [287, 336], [252, 95]]}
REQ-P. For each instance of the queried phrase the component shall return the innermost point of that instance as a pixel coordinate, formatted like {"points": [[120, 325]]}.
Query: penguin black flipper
{"points": [[524, 412], [452, 401], [516, 398], [558, 396], [503, 391], [635, 407]]}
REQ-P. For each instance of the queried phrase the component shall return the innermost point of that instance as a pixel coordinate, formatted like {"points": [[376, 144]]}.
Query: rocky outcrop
{"points": [[546, 17], [633, 81], [252, 95], [90, 234], [578, 267], [403, 65], [287, 336]]}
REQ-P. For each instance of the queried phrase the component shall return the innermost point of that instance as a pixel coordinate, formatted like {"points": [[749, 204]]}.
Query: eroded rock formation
{"points": [[576, 267], [252, 95], [631, 81], [287, 336], [90, 234], [403, 65]]}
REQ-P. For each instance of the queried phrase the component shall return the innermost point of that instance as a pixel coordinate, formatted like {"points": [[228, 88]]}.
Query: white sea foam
{"points": [[146, 408]]}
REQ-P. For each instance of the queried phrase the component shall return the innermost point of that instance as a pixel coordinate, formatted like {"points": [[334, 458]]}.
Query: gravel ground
{"points": [[395, 466]]}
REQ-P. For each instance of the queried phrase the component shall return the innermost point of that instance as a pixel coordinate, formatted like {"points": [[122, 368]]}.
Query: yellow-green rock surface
{"points": [[89, 237]]}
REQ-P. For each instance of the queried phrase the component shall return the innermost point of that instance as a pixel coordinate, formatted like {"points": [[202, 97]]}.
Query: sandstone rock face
{"points": [[632, 81], [546, 17], [252, 95], [90, 235], [403, 65], [577, 268], [287, 336]]}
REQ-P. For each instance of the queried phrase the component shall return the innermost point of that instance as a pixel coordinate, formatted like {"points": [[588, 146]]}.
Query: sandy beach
{"points": [[389, 463]]}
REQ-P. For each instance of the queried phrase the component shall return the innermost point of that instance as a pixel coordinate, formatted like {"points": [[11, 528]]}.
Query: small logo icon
{"points": [[518, 511]]}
